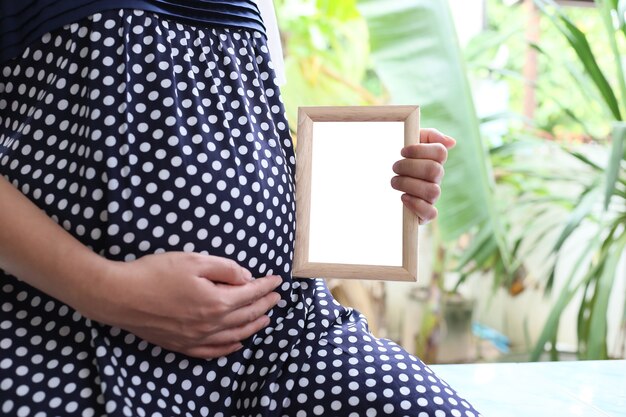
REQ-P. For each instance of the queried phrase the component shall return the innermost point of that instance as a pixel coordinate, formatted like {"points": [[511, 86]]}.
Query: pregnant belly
{"points": [[204, 194]]}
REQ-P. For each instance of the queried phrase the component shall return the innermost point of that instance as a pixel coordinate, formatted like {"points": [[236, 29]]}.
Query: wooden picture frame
{"points": [[308, 117]]}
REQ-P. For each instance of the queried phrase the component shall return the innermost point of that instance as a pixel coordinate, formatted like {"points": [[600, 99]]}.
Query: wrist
{"points": [[97, 290]]}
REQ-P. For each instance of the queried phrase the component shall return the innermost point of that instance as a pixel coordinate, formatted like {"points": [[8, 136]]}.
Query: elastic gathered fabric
{"points": [[23, 22]]}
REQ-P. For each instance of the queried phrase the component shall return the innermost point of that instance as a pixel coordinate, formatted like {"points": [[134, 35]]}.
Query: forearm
{"points": [[40, 252]]}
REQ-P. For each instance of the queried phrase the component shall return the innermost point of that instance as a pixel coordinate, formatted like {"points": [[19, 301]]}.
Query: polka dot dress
{"points": [[141, 135]]}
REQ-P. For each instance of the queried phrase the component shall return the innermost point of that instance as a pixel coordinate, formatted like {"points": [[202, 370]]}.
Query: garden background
{"points": [[527, 259]]}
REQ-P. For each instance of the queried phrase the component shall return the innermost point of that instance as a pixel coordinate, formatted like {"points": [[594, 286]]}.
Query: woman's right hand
{"points": [[198, 305]]}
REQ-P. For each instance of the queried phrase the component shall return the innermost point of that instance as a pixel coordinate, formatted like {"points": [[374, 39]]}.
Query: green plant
{"points": [[413, 58], [415, 53], [582, 88], [326, 54], [500, 53], [600, 204]]}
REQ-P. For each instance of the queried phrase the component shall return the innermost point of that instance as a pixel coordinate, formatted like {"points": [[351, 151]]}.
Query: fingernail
{"points": [[239, 348]]}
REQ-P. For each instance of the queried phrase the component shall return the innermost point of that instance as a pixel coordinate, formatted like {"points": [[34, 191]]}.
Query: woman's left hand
{"points": [[421, 171]]}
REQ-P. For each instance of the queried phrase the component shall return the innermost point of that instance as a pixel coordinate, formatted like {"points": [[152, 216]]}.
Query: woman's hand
{"points": [[195, 304], [420, 173], [199, 305]]}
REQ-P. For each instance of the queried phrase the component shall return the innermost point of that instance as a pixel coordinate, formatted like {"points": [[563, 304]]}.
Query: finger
{"points": [[427, 191], [237, 334], [423, 169], [244, 295], [428, 135], [252, 311], [227, 271], [212, 352], [433, 151], [422, 209]]}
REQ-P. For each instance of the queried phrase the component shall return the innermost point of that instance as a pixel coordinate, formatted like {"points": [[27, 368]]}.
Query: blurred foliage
{"points": [[326, 48], [536, 193], [416, 54], [567, 103], [569, 197], [415, 59], [601, 206]]}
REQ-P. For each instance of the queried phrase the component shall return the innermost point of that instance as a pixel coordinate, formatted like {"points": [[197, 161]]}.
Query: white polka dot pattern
{"points": [[141, 135]]}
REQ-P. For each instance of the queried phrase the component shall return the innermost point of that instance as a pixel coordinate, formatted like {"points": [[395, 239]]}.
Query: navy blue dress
{"points": [[140, 134]]}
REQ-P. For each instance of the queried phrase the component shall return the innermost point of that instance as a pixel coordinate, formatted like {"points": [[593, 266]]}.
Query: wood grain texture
{"points": [[304, 155], [360, 113], [410, 222], [353, 271], [302, 268]]}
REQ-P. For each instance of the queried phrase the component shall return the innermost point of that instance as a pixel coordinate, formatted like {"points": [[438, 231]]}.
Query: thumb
{"points": [[224, 270]]}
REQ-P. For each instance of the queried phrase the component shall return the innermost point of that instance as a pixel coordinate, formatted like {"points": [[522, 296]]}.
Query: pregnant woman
{"points": [[147, 226]]}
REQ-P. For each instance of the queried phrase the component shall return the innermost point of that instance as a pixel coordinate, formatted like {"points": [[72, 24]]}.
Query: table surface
{"points": [[541, 389]]}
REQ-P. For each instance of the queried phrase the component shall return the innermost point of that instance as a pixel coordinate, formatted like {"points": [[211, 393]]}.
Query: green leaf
{"points": [[327, 54], [598, 322], [583, 83], [578, 41], [583, 208], [416, 54], [583, 322], [585, 160], [615, 160], [608, 10], [620, 6], [341, 10], [567, 293]]}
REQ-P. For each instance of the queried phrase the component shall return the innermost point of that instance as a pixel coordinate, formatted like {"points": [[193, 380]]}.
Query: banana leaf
{"points": [[415, 52]]}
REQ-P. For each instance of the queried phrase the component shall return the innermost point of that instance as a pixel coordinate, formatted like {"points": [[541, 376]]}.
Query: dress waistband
{"points": [[22, 23]]}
